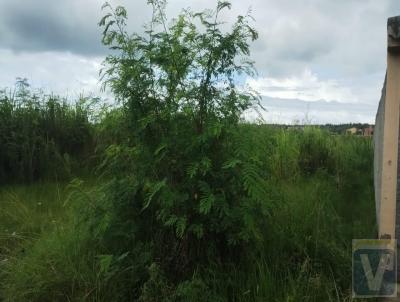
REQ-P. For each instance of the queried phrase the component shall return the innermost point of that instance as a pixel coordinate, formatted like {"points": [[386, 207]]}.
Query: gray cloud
{"points": [[341, 41], [49, 26], [293, 34], [343, 38], [72, 25]]}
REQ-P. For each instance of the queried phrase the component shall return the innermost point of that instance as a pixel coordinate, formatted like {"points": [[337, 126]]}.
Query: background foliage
{"points": [[41, 135]]}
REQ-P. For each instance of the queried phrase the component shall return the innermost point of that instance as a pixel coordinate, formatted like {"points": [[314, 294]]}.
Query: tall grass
{"points": [[45, 247], [321, 188], [41, 135]]}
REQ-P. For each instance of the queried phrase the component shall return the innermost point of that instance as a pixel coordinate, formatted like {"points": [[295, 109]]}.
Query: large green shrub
{"points": [[193, 187]]}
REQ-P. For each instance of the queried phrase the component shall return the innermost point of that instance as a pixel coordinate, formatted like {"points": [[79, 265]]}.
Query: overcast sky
{"points": [[320, 61]]}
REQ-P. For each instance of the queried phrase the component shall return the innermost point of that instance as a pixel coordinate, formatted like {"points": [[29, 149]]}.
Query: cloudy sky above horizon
{"points": [[319, 61]]}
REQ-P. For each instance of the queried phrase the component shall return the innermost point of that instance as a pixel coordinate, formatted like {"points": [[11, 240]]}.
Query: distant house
{"points": [[351, 131], [368, 131]]}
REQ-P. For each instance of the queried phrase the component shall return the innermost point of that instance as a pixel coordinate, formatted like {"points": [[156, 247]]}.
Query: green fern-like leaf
{"points": [[153, 191], [105, 263], [181, 225], [207, 198], [253, 182], [192, 170], [231, 163], [223, 4]]}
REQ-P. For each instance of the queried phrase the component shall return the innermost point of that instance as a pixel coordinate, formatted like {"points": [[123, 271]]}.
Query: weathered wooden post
{"points": [[386, 137], [386, 143], [380, 280]]}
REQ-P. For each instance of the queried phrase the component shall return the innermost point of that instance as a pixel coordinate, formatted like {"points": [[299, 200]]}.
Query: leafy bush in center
{"points": [[193, 186]]}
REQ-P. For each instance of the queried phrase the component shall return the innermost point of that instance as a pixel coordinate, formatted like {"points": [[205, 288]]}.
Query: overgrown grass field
{"points": [[321, 188]]}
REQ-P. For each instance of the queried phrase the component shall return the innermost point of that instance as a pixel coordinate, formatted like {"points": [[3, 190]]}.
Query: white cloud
{"points": [[292, 111], [59, 72], [291, 117], [306, 87]]}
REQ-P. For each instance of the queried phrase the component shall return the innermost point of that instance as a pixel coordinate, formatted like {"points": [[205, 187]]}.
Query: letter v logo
{"points": [[386, 262]]}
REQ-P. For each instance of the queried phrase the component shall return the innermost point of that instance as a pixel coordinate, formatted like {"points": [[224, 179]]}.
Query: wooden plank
{"points": [[387, 208]]}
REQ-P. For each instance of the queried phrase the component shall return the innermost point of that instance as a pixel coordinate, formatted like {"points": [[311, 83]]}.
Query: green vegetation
{"points": [[63, 242], [186, 202], [41, 136]]}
